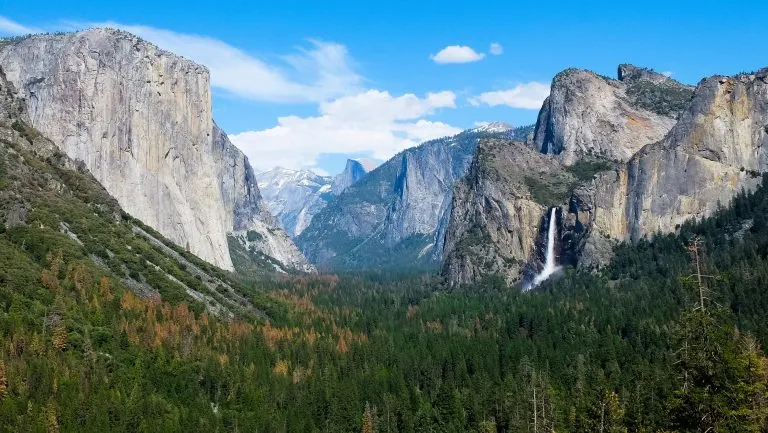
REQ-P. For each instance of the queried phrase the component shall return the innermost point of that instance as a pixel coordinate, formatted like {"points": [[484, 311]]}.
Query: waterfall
{"points": [[550, 265]]}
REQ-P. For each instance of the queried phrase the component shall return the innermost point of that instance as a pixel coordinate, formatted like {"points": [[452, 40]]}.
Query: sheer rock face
{"points": [[586, 113], [353, 172], [495, 220], [718, 145], [140, 120], [422, 190], [394, 216], [599, 208], [249, 213]]}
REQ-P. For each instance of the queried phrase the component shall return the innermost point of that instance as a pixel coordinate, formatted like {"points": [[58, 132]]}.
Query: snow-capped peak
{"points": [[279, 177], [494, 127]]}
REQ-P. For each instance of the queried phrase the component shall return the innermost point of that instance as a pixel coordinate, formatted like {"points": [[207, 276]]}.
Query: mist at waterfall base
{"points": [[550, 264]]}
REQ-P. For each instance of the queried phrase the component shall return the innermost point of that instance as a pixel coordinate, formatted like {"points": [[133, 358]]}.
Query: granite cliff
{"points": [[611, 180], [354, 170], [396, 215], [139, 118], [587, 113]]}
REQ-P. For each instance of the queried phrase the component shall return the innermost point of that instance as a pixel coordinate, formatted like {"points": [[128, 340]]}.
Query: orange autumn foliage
{"points": [[346, 336], [59, 338], [105, 289], [80, 277], [223, 359], [50, 277], [412, 311], [341, 346], [3, 379], [155, 323], [281, 368], [310, 336], [434, 327], [274, 335]]}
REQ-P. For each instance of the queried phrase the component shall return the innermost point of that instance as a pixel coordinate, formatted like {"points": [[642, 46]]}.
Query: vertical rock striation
{"points": [[354, 170], [395, 216], [498, 211], [140, 120], [719, 146], [618, 180], [586, 113]]}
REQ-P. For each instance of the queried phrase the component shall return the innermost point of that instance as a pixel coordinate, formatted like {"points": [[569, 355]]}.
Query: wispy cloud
{"points": [[350, 119], [457, 54], [373, 123], [316, 72], [496, 49], [9, 27], [525, 95]]}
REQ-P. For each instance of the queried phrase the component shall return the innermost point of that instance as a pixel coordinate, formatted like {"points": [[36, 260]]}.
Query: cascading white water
{"points": [[550, 265]]}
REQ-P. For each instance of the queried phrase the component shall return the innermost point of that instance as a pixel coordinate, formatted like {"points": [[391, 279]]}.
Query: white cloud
{"points": [[320, 172], [457, 54], [350, 119], [496, 49], [373, 123], [316, 73], [526, 95], [667, 74], [12, 28]]}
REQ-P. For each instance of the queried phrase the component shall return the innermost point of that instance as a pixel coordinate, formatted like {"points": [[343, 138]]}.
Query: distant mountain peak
{"points": [[368, 164], [294, 196], [494, 127], [354, 171]]}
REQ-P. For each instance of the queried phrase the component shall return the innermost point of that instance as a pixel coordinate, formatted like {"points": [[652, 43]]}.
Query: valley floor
{"points": [[625, 349]]}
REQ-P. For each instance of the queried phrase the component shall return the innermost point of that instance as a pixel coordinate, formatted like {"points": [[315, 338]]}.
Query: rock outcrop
{"points": [[717, 146], [139, 118], [497, 211], [353, 172], [250, 216], [395, 216], [586, 113]]}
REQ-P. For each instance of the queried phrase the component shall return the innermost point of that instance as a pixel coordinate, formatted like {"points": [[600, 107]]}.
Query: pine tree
{"points": [[487, 426], [341, 345], [3, 379], [722, 375], [611, 414], [59, 338], [722, 381], [51, 418], [369, 420]]}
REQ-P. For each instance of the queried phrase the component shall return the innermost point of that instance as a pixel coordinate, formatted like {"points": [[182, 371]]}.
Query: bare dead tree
{"points": [[697, 251]]}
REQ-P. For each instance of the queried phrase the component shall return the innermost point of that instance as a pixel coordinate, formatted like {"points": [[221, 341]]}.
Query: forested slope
{"points": [[100, 331]]}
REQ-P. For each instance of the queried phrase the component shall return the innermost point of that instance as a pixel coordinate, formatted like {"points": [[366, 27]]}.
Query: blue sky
{"points": [[307, 84]]}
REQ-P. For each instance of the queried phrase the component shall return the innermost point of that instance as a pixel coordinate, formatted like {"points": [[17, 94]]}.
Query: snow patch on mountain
{"points": [[295, 196]]}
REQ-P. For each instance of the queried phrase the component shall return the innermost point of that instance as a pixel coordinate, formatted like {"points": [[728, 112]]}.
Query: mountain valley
{"points": [[602, 270]]}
